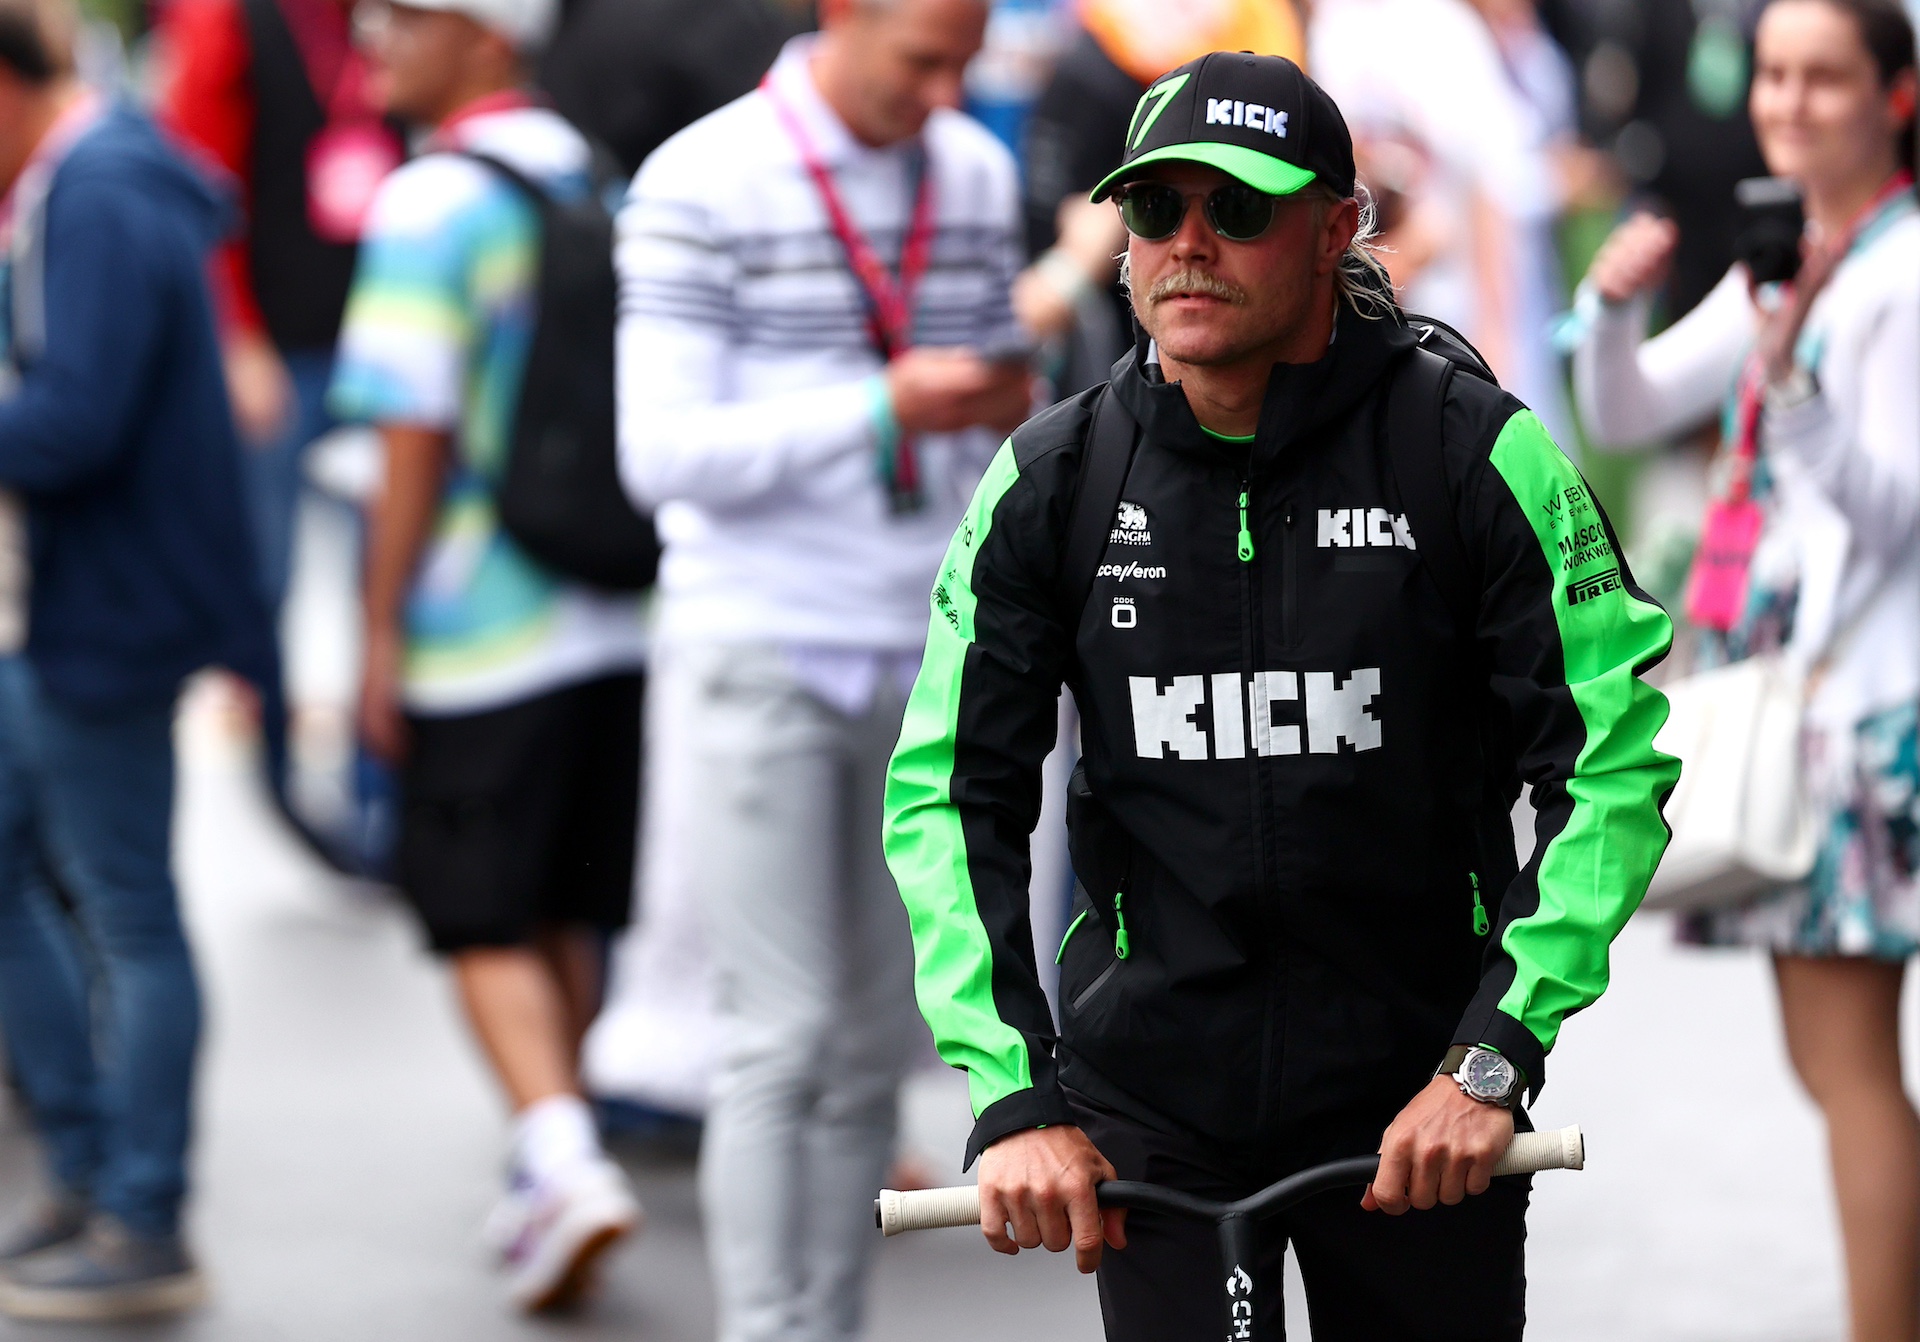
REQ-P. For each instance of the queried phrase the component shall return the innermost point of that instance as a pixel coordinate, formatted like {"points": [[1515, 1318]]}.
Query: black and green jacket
{"points": [[1306, 888]]}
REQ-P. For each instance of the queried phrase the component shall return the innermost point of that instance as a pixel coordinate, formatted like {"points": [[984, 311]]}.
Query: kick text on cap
{"points": [[1230, 112]]}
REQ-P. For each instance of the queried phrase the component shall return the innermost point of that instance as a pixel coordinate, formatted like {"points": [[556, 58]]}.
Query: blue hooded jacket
{"points": [[120, 441]]}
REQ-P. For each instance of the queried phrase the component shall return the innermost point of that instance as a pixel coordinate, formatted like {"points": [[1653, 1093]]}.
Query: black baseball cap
{"points": [[1258, 119]]}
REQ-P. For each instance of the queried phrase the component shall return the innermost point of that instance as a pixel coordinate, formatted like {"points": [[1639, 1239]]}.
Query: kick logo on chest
{"points": [[1250, 713], [1360, 528]]}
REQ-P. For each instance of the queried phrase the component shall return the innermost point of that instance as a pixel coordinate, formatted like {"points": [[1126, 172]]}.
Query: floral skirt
{"points": [[1863, 895]]}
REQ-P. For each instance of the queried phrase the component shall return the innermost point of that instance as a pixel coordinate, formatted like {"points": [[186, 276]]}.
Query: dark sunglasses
{"points": [[1153, 211]]}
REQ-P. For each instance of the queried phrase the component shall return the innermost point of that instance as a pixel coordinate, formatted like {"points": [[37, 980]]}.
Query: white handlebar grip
{"points": [[1556, 1149], [928, 1209]]}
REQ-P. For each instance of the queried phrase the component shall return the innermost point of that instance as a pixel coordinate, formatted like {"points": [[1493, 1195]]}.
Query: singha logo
{"points": [[1130, 526]]}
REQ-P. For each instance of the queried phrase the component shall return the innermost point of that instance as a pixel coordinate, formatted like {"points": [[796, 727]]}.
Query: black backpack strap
{"points": [[1415, 401], [1112, 439], [520, 181]]}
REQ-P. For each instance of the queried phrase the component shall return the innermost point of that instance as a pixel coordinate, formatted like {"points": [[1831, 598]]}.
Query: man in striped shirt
{"points": [[817, 359]]}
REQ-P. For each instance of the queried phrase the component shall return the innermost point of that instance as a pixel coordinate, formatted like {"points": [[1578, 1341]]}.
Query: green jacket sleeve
{"points": [[963, 797], [1570, 636]]}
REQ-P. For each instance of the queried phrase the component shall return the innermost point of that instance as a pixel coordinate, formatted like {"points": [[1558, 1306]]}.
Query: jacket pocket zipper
{"points": [[1481, 923], [1122, 942], [1072, 927], [1088, 992]]}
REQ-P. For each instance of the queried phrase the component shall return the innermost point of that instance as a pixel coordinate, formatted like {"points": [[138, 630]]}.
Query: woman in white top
{"points": [[1822, 381]]}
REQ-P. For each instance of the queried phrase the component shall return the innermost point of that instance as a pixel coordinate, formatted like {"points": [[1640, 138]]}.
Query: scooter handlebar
{"points": [[934, 1208]]}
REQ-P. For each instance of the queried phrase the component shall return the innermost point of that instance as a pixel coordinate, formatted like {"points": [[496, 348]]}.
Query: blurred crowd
{"points": [[778, 281]]}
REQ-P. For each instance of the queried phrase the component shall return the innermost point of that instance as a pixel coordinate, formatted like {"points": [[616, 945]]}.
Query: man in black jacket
{"points": [[1302, 925]]}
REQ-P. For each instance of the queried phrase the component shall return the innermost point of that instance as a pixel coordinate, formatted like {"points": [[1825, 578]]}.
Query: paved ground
{"points": [[350, 1140]]}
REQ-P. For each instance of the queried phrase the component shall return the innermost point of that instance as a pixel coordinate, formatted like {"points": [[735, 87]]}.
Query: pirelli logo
{"points": [[1598, 585]]}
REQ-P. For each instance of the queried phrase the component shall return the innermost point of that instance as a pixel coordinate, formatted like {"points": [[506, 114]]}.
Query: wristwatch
{"points": [[1793, 391], [1484, 1075]]}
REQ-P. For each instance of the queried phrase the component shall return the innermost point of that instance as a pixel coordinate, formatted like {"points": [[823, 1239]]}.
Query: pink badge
{"points": [[1717, 586], [346, 162]]}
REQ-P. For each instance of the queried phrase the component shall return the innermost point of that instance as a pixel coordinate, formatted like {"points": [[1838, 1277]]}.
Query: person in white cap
{"points": [[508, 697]]}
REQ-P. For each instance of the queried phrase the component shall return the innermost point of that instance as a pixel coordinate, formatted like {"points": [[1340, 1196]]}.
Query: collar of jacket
{"points": [[1300, 397]]}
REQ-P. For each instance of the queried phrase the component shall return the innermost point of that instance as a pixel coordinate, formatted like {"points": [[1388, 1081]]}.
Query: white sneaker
{"points": [[507, 1222], [564, 1224]]}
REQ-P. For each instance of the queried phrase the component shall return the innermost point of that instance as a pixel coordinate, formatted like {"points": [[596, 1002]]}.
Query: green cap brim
{"points": [[1262, 172]]}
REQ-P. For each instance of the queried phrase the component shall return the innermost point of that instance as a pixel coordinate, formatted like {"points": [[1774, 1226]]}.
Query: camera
{"points": [[1771, 224]]}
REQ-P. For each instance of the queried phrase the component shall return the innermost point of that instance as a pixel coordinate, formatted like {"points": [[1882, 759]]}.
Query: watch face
{"points": [[1487, 1075]]}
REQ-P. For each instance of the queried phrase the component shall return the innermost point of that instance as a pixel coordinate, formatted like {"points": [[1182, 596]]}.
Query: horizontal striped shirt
{"points": [[751, 411]]}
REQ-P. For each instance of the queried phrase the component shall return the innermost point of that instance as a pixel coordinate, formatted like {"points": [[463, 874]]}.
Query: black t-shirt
{"points": [[1076, 136], [629, 73], [1077, 133]]}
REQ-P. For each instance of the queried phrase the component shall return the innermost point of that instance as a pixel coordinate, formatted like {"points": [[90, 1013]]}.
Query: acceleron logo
{"points": [[1269, 713], [1131, 569]]}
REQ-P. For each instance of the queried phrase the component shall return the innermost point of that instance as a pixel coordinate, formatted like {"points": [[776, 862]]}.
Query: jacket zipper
{"points": [[1481, 923], [1290, 585], [1122, 943], [1252, 652]]}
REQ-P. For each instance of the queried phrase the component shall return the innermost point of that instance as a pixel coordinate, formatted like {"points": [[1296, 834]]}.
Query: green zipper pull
{"points": [[1246, 537], [1480, 920], [1122, 943], [1072, 927]]}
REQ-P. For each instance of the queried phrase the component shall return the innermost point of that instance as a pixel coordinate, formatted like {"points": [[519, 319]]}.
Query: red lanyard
{"points": [[889, 302]]}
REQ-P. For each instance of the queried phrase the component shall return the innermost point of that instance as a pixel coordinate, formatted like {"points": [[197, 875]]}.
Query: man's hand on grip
{"points": [[1039, 1183], [1442, 1147]]}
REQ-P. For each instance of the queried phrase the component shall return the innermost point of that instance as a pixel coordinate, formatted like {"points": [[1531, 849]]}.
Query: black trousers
{"points": [[1452, 1274]]}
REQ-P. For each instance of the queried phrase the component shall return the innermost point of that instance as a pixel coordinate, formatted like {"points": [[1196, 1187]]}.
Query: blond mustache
{"points": [[1195, 282]]}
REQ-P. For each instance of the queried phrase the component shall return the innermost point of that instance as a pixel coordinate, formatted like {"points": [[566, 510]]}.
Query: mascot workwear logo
{"points": [[1353, 528], [1130, 526], [1230, 112], [1246, 710]]}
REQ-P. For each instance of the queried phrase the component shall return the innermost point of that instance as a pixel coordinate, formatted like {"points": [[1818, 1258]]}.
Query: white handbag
{"points": [[1741, 820]]}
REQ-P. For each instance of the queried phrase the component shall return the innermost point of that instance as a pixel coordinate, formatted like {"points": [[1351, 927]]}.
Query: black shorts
{"points": [[1452, 1274], [523, 817]]}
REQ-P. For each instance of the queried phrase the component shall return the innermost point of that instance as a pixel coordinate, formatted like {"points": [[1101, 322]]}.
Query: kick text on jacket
{"points": [[1246, 711]]}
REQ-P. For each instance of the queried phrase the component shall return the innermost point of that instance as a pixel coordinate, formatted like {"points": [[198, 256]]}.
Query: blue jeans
{"points": [[97, 991], [273, 470]]}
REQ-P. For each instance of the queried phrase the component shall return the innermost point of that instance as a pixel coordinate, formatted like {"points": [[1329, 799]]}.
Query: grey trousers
{"points": [[813, 960]]}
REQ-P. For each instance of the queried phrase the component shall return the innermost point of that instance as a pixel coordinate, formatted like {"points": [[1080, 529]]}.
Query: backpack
{"points": [[560, 496]]}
